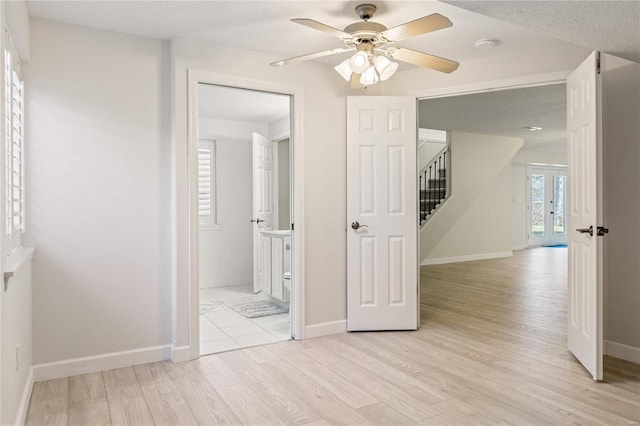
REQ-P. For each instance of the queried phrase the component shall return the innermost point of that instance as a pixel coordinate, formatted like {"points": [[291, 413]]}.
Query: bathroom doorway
{"points": [[244, 217]]}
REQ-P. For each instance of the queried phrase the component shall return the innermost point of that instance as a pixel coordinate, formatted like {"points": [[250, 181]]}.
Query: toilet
{"points": [[286, 280]]}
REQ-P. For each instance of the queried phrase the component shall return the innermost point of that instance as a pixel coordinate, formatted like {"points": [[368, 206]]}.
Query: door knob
{"points": [[256, 220], [588, 230], [355, 225]]}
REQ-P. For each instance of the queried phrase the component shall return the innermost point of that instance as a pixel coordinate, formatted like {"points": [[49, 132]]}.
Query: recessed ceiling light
{"points": [[486, 43], [532, 128]]}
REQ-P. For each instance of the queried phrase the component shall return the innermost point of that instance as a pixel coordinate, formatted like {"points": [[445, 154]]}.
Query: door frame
{"points": [[194, 78]]}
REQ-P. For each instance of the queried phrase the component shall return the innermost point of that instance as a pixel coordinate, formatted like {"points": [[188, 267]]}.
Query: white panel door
{"points": [[585, 211], [263, 206], [382, 214]]}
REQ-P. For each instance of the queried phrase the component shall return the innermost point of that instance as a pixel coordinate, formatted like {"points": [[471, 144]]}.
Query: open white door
{"points": [[382, 214], [584, 151], [263, 207]]}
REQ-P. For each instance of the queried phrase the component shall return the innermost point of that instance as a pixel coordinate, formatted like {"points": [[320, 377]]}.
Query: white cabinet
{"points": [[275, 247], [265, 255]]}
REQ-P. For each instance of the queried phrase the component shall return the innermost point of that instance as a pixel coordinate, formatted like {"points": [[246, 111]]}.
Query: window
{"points": [[207, 182], [14, 146]]}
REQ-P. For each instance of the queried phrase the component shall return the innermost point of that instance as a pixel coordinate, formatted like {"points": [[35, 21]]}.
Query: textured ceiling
{"points": [[265, 25], [541, 27], [504, 113], [609, 26], [227, 103]]}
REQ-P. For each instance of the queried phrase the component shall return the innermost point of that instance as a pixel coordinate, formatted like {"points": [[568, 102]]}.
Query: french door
{"points": [[547, 206]]}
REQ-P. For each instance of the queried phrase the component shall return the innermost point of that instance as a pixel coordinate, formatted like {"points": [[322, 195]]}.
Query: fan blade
{"points": [[422, 59], [322, 27], [310, 56], [423, 25]]}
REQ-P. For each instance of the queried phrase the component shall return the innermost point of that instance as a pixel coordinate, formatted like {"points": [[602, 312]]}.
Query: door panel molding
{"points": [[584, 312], [382, 254]]}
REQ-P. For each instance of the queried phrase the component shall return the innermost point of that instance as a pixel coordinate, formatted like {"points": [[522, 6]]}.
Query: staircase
{"points": [[433, 185]]}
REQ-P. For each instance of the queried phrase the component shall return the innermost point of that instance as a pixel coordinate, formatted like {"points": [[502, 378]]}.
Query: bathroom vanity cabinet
{"points": [[275, 252]]}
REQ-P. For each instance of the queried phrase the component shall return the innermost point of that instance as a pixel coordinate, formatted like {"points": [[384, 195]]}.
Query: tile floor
{"points": [[223, 329]]}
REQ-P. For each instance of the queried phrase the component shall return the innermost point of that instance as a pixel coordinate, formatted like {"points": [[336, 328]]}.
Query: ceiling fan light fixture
{"points": [[375, 54], [344, 69], [385, 67], [359, 62], [369, 76]]}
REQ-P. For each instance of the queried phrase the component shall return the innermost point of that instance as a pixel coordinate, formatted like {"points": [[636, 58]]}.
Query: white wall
{"points": [[284, 181], [98, 191], [518, 206], [482, 230], [226, 250], [621, 154], [475, 220], [525, 156], [16, 378], [16, 330], [234, 129], [279, 128], [16, 16], [427, 151]]}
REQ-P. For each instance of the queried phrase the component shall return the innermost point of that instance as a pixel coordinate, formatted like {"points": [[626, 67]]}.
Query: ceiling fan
{"points": [[375, 47]]}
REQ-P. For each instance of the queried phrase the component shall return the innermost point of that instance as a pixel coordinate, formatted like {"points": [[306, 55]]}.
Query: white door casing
{"points": [[382, 255], [263, 209], [584, 149]]}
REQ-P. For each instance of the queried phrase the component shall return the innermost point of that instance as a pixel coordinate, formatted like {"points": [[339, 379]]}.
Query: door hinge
{"points": [[601, 230], [598, 62], [292, 227]]}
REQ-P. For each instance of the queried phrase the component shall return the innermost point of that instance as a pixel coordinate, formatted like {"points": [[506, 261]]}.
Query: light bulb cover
{"points": [[369, 76], [359, 62], [385, 67], [344, 69]]}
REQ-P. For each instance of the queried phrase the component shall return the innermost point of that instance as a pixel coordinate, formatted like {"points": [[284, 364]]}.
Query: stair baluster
{"points": [[433, 185]]}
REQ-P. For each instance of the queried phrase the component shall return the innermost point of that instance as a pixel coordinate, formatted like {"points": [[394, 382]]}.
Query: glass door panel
{"points": [[560, 204], [537, 205]]}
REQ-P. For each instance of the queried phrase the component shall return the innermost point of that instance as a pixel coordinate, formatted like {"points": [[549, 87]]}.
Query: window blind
{"points": [[14, 149], [206, 182]]}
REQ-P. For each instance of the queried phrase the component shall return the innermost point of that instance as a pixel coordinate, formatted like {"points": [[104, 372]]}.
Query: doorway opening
{"points": [[244, 204], [495, 206]]}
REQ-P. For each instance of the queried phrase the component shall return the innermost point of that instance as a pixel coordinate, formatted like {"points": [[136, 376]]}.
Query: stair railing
{"points": [[434, 184]]}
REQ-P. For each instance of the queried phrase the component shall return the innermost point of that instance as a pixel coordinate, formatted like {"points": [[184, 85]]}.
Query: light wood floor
{"points": [[491, 350]]}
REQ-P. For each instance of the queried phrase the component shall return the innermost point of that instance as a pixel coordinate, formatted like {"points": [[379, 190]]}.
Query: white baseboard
{"points": [[621, 351], [325, 329], [455, 259], [21, 417], [180, 353], [519, 247], [93, 364]]}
